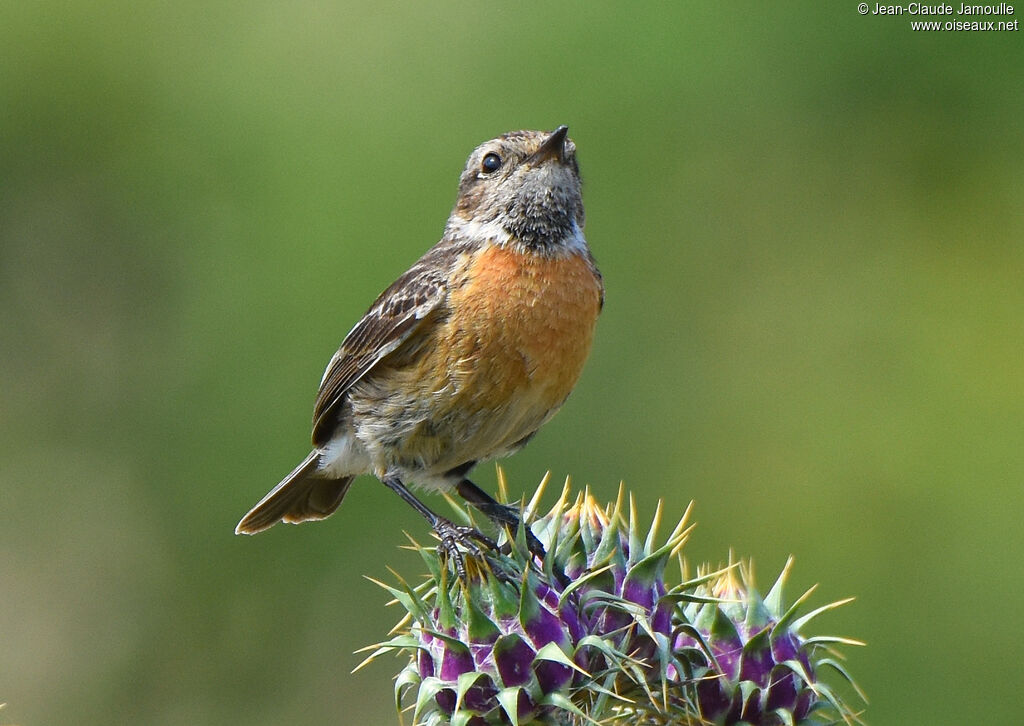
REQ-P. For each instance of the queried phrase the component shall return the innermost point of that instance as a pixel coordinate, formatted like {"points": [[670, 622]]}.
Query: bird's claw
{"points": [[456, 538]]}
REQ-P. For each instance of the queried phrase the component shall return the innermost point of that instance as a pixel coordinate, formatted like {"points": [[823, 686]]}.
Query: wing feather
{"points": [[390, 321]]}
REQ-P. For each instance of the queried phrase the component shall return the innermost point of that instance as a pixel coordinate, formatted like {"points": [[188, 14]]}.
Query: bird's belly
{"points": [[511, 348]]}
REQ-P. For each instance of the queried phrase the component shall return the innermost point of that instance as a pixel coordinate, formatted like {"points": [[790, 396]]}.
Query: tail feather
{"points": [[300, 497]]}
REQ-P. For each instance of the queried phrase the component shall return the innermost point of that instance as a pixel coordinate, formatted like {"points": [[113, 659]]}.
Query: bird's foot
{"points": [[456, 538]]}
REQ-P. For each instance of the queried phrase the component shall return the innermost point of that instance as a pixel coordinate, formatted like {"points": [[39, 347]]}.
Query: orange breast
{"points": [[525, 323]]}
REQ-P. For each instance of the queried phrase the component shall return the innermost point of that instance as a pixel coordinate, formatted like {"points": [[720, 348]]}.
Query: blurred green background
{"points": [[810, 224]]}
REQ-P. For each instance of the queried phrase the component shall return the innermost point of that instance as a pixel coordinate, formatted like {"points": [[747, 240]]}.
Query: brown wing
{"points": [[389, 322]]}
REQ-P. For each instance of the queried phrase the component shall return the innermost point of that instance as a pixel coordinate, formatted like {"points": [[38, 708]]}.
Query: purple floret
{"points": [[552, 676], [455, 662], [545, 628], [513, 657]]}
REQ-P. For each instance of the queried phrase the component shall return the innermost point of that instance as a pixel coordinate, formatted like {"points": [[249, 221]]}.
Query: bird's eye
{"points": [[491, 163]]}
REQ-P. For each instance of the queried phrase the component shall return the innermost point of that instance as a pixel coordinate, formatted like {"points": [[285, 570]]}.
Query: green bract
{"points": [[594, 633]]}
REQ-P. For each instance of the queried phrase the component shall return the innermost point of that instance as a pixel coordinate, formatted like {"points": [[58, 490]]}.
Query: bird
{"points": [[466, 355]]}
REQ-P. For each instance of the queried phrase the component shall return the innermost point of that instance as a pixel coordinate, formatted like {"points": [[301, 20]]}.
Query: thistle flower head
{"points": [[595, 632], [749, 661]]}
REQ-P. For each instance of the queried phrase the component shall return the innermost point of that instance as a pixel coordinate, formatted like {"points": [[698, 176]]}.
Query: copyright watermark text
{"points": [[943, 17]]}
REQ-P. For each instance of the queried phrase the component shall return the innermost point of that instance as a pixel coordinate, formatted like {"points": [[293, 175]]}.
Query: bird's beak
{"points": [[553, 146]]}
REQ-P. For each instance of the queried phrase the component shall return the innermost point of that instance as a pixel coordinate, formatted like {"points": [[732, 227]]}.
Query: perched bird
{"points": [[465, 355]]}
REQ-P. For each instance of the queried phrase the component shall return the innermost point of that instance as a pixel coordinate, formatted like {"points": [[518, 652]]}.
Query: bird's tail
{"points": [[301, 496]]}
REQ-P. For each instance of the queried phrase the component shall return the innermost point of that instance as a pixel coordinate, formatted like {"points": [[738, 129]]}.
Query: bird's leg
{"points": [[503, 515], [451, 534]]}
